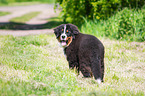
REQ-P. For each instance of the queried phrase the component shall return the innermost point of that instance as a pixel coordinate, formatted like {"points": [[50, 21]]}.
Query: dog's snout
{"points": [[63, 36]]}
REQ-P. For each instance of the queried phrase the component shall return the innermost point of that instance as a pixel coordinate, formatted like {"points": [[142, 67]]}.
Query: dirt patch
{"points": [[32, 27]]}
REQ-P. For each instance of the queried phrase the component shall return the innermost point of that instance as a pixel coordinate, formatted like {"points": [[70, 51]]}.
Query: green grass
{"points": [[4, 13], [53, 22], [25, 17], [19, 25], [35, 65], [127, 25], [20, 3], [24, 2]]}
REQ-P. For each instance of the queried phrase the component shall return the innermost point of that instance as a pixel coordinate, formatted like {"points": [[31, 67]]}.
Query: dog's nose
{"points": [[63, 36]]}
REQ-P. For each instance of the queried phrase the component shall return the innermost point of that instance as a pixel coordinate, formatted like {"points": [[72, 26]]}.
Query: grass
{"points": [[19, 3], [53, 22], [25, 17], [4, 13], [35, 65], [127, 25], [24, 3]]}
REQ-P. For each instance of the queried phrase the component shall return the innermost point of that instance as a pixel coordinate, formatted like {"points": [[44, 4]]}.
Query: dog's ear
{"points": [[74, 29], [57, 30]]}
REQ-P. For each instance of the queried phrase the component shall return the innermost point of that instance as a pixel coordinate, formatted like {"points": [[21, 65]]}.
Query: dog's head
{"points": [[65, 33]]}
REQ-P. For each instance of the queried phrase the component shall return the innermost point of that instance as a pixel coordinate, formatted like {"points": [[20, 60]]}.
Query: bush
{"points": [[125, 25], [74, 10]]}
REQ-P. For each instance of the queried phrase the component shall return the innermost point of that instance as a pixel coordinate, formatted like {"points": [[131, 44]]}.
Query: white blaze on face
{"points": [[63, 36]]}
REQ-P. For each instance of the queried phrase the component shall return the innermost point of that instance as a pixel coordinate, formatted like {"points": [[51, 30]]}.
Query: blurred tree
{"points": [[74, 10]]}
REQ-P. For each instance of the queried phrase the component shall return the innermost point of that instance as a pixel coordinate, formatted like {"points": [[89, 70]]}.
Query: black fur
{"points": [[85, 52]]}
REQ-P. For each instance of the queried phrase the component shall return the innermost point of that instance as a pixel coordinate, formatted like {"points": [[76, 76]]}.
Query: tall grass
{"points": [[35, 65], [126, 25]]}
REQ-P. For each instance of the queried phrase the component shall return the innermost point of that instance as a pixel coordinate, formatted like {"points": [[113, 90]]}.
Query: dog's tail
{"points": [[96, 69]]}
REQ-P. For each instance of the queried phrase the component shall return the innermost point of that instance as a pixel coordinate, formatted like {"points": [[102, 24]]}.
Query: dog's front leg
{"points": [[73, 64]]}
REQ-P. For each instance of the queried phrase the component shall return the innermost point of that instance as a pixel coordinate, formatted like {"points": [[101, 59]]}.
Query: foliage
{"points": [[74, 10], [35, 65], [126, 25]]}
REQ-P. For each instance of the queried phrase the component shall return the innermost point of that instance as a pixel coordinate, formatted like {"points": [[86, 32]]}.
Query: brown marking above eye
{"points": [[66, 30], [62, 29]]}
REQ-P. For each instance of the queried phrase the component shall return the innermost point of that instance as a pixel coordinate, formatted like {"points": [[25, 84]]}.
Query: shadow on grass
{"points": [[52, 23]]}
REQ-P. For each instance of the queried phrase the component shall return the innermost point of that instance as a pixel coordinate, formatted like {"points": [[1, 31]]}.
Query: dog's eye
{"points": [[66, 30], [62, 29]]}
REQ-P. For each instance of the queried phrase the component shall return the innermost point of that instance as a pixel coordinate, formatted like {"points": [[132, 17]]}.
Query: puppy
{"points": [[83, 52]]}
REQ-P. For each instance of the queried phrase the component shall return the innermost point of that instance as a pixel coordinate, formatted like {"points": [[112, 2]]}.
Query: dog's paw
{"points": [[98, 80]]}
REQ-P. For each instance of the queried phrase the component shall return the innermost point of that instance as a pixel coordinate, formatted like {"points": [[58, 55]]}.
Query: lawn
{"points": [[25, 17], [24, 2], [35, 65], [4, 13], [19, 3]]}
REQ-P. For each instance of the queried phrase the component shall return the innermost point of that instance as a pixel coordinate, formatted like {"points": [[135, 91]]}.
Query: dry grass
{"points": [[35, 65]]}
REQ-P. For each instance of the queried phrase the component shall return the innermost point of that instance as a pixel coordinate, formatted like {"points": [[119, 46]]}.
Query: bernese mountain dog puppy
{"points": [[83, 52]]}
